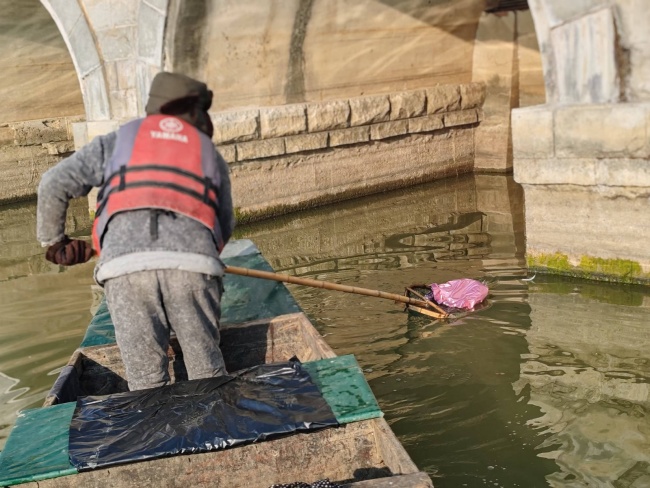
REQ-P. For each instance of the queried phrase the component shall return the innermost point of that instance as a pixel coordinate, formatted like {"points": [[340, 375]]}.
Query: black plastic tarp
{"points": [[196, 416]]}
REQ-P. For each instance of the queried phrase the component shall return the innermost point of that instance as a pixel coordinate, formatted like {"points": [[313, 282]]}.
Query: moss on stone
{"points": [[590, 267], [241, 218], [557, 261], [618, 267]]}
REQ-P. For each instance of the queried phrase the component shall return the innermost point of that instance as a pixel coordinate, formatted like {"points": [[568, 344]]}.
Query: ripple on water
{"points": [[44, 318]]}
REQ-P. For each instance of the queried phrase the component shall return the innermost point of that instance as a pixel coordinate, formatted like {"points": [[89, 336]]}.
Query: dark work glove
{"points": [[69, 251]]}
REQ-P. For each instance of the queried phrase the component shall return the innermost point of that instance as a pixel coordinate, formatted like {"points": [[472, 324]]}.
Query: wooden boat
{"points": [[364, 453], [360, 454]]}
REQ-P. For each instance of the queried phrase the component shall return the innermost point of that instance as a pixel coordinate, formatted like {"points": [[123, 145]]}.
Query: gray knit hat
{"points": [[171, 87]]}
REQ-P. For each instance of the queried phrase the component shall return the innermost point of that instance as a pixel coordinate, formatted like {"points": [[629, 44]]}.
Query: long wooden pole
{"points": [[266, 275]]}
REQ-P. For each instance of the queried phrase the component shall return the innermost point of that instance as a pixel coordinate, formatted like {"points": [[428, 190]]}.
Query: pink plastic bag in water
{"points": [[463, 293]]}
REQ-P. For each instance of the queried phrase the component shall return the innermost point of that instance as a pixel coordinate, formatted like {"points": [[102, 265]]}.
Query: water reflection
{"points": [[548, 386], [500, 397], [44, 310], [588, 370]]}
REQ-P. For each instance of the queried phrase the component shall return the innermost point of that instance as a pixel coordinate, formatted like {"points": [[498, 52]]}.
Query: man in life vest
{"points": [[164, 214]]}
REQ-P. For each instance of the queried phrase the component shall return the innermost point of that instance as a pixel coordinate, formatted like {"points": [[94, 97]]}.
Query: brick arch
{"points": [[75, 30]]}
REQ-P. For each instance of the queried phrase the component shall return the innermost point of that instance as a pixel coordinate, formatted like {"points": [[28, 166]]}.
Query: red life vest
{"points": [[160, 162]]}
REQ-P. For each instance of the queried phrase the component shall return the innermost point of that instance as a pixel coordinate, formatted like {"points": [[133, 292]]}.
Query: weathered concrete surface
{"points": [[292, 51], [289, 51], [589, 74], [530, 83], [494, 57], [255, 133], [40, 96], [507, 60], [594, 50], [310, 154], [311, 132], [116, 47], [584, 223]]}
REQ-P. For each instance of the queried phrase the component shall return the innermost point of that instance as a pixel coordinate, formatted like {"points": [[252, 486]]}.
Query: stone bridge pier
{"points": [[583, 156]]}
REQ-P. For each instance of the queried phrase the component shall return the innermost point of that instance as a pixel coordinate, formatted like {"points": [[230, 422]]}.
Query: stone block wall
{"points": [[287, 129], [28, 149], [586, 175], [295, 156]]}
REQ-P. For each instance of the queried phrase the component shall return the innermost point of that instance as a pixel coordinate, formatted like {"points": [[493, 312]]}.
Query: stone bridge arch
{"points": [[78, 37], [116, 47]]}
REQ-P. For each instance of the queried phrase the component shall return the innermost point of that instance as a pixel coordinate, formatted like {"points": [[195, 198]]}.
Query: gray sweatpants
{"points": [[146, 306]]}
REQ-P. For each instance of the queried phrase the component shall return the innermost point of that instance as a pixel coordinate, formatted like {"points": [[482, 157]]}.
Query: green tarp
{"points": [[101, 330], [341, 381], [247, 299], [37, 447]]}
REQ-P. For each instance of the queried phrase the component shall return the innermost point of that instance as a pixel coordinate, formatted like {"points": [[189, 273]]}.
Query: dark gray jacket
{"points": [[128, 244]]}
